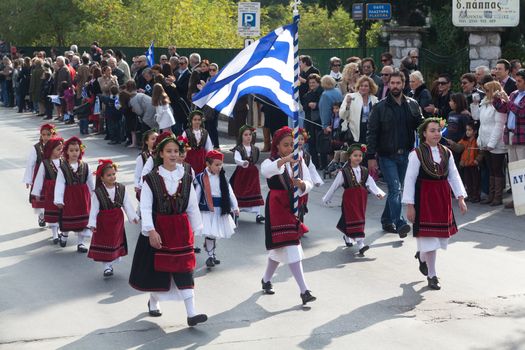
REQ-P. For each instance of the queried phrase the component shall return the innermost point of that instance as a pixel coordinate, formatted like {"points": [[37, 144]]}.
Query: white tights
{"points": [[297, 271], [430, 259]]}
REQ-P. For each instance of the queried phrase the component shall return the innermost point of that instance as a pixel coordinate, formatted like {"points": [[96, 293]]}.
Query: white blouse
{"points": [[164, 116], [38, 186], [339, 181], [139, 167], [316, 179], [95, 206], [148, 167], [413, 170], [171, 179], [198, 135], [30, 167], [269, 168], [215, 186], [60, 186], [238, 158]]}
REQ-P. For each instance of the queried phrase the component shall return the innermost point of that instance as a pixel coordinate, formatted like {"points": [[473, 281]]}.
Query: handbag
{"points": [[174, 260]]}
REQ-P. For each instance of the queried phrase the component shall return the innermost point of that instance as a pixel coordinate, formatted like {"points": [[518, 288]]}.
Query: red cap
{"points": [[215, 155], [278, 136], [51, 145], [49, 127]]}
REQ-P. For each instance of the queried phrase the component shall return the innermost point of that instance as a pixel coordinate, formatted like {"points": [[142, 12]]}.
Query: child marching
{"points": [[314, 175], [245, 179], [430, 175], [283, 230], [73, 189], [199, 141], [356, 183], [148, 145], [44, 185], [34, 160], [164, 259], [216, 202], [106, 219]]}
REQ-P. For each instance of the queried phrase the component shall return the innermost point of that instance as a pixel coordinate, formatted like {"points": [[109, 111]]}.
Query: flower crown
{"points": [[103, 164]]}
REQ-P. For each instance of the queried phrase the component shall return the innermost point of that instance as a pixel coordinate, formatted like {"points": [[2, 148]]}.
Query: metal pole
{"points": [[296, 18]]}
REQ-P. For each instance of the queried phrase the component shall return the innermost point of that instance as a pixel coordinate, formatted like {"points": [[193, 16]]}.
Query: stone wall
{"points": [[484, 46], [402, 40]]}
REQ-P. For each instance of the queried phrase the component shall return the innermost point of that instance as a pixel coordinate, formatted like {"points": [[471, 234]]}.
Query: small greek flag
{"points": [[265, 68], [150, 56]]}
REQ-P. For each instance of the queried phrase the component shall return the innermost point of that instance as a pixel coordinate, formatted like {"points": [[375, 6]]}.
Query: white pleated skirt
{"points": [[287, 255], [217, 225], [428, 244]]}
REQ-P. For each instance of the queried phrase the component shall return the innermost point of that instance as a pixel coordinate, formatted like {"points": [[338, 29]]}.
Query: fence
{"points": [[433, 64]]}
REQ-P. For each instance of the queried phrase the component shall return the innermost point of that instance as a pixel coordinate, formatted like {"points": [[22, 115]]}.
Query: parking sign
{"points": [[249, 23]]}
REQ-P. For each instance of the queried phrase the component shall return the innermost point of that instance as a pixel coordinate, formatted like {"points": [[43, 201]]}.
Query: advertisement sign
{"points": [[486, 13]]}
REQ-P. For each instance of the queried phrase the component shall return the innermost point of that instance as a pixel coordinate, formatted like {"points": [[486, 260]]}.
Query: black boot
{"points": [[193, 321], [363, 250], [307, 297], [259, 219], [267, 287], [348, 244], [433, 283], [210, 262], [423, 268]]}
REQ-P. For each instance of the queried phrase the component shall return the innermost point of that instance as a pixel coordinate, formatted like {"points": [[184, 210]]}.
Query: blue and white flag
{"points": [[265, 68], [150, 56]]}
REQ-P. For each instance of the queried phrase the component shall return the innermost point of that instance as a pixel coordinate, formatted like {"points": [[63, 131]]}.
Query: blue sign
{"points": [[357, 11], [249, 19], [379, 11]]}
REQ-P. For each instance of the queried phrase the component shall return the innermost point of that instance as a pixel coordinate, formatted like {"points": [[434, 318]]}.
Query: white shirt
{"points": [[269, 168], [414, 164], [60, 186], [95, 206], [40, 177], [314, 175], [339, 181], [30, 167], [139, 167], [164, 116], [215, 187], [148, 167], [198, 135], [238, 158], [171, 179]]}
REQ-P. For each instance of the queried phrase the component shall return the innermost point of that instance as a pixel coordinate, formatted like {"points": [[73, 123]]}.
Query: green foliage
{"points": [[442, 36]]}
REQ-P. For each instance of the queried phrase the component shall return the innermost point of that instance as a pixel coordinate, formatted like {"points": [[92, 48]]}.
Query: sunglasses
{"points": [[384, 60], [213, 70], [385, 74]]}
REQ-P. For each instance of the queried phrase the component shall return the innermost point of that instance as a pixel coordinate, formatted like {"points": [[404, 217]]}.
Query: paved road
{"points": [[56, 298]]}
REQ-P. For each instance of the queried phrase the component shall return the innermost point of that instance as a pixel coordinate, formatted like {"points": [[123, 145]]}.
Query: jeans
{"points": [[394, 168]]}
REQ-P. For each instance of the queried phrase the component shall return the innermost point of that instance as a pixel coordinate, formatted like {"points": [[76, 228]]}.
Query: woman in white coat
{"points": [[490, 140], [356, 108]]}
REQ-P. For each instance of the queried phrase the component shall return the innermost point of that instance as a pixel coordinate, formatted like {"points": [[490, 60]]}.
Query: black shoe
{"points": [[216, 261], [390, 228], [108, 272], [348, 244], [267, 287], [56, 240], [210, 262], [260, 219], [433, 283], [63, 240], [307, 297], [154, 313], [363, 250], [81, 248], [193, 321], [196, 250], [403, 231], [41, 221], [423, 268]]}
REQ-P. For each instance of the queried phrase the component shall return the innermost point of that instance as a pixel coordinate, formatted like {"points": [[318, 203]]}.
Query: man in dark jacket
{"points": [[391, 135], [503, 75]]}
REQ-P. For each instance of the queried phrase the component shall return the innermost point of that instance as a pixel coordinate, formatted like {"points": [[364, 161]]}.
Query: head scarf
{"points": [[49, 127], [102, 165], [51, 145], [277, 138]]}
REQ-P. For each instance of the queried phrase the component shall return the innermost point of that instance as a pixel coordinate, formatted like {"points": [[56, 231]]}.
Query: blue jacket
{"points": [[328, 98]]}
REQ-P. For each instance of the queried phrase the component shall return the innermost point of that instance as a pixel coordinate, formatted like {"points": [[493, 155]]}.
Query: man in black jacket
{"points": [[391, 135], [503, 75]]}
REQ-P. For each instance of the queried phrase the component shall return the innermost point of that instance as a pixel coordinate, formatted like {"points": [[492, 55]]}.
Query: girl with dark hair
{"points": [[148, 145], [161, 102], [106, 219], [458, 119], [164, 259], [430, 176], [74, 185], [44, 185], [216, 202], [199, 141]]}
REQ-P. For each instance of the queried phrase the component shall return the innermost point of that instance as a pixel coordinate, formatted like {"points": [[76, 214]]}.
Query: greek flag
{"points": [[265, 68], [150, 56]]}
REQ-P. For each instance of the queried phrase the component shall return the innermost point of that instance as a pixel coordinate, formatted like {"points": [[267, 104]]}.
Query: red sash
{"points": [[284, 225], [51, 211], [247, 187], [197, 159], [77, 203], [176, 254], [352, 222], [434, 216], [109, 239]]}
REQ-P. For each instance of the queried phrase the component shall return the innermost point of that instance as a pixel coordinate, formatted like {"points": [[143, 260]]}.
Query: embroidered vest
{"points": [[163, 202], [39, 148], [284, 182], [145, 155], [307, 158], [192, 140], [72, 177], [429, 168], [253, 158], [105, 201], [350, 181], [51, 169]]}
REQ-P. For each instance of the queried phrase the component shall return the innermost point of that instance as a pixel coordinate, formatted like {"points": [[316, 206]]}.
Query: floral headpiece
{"points": [[356, 147], [74, 140], [184, 144], [305, 134], [242, 130], [164, 142], [194, 113], [52, 129], [104, 164], [442, 124], [51, 145]]}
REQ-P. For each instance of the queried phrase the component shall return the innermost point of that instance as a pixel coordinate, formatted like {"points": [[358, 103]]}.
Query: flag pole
{"points": [[296, 18]]}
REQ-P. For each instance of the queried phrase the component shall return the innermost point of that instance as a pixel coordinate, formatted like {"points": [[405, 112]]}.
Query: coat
{"points": [[35, 83], [351, 118], [142, 106], [491, 125]]}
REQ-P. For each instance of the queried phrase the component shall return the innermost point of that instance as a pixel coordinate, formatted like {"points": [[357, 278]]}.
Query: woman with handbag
{"points": [[164, 258]]}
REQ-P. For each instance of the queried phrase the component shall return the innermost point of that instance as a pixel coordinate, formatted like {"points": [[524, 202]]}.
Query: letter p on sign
{"points": [[248, 19]]}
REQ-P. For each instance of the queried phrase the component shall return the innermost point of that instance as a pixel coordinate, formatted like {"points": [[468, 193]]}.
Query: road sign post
{"points": [[249, 23]]}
